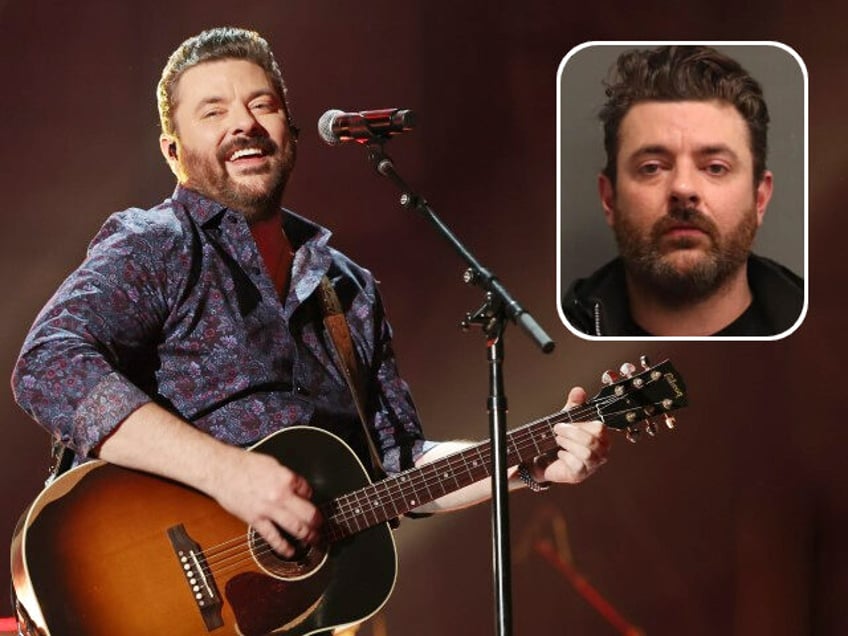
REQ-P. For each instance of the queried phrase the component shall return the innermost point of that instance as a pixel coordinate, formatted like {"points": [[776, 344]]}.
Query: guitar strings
{"points": [[236, 551], [351, 503]]}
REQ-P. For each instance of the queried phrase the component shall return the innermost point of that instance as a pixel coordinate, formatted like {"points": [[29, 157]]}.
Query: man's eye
{"points": [[210, 114], [717, 169], [649, 168], [263, 107]]}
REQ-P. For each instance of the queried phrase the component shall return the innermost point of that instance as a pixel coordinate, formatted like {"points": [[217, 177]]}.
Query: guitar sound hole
{"points": [[306, 559]]}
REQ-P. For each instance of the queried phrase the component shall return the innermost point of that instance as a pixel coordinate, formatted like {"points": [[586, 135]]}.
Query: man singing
{"points": [[192, 330]]}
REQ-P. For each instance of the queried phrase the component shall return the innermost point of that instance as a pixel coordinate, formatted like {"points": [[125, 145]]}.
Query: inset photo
{"points": [[682, 190]]}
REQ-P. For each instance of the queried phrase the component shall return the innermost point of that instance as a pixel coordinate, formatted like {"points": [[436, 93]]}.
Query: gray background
{"points": [[586, 242]]}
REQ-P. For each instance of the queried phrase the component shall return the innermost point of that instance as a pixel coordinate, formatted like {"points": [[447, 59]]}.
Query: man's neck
{"points": [[702, 317]]}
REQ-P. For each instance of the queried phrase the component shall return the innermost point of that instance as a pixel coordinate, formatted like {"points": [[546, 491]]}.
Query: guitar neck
{"points": [[397, 495], [621, 405]]}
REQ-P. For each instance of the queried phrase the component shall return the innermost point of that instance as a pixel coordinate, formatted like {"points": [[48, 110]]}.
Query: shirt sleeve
{"points": [[98, 330]]}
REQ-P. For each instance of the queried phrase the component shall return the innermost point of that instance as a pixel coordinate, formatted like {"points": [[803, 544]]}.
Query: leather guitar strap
{"points": [[334, 321]]}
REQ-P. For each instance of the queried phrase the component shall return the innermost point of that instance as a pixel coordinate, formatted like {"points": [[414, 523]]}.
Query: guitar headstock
{"points": [[632, 402]]}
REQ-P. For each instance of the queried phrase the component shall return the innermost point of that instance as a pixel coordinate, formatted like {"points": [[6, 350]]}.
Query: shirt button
{"points": [[300, 390]]}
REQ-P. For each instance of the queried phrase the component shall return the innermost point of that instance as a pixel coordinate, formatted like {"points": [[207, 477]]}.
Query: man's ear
{"points": [[606, 191], [763, 195], [169, 147]]}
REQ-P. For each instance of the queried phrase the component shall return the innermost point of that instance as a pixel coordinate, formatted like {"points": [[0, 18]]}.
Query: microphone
{"points": [[336, 127]]}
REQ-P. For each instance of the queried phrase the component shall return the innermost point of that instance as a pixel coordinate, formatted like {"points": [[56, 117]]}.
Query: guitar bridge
{"points": [[198, 576]]}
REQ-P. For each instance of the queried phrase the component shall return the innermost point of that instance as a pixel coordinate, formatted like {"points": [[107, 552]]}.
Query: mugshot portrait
{"points": [[677, 216]]}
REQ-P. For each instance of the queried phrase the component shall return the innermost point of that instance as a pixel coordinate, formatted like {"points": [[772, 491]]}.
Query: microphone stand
{"points": [[498, 306]]}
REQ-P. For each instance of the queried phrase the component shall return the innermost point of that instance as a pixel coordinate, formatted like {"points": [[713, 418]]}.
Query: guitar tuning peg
{"points": [[609, 377], [627, 369], [670, 422], [632, 434], [644, 362], [651, 428]]}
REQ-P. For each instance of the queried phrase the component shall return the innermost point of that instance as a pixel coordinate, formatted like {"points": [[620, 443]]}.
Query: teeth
{"points": [[245, 152]]}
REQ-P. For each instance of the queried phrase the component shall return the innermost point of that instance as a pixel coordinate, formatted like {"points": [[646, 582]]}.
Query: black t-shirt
{"points": [[750, 321]]}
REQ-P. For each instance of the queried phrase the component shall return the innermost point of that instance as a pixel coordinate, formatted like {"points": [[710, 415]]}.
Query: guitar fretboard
{"points": [[397, 495], [620, 405]]}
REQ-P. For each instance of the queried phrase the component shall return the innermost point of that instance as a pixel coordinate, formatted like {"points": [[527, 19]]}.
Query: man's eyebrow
{"points": [[217, 99], [207, 101], [717, 149], [703, 151], [649, 149], [262, 92]]}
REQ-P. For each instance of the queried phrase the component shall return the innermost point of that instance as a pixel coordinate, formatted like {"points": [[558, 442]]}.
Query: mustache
{"points": [[691, 217], [262, 142]]}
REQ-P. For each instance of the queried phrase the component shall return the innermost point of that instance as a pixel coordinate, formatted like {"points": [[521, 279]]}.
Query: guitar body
{"points": [[94, 556]]}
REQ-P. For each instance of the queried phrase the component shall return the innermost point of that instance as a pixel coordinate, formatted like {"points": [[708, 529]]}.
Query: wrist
{"points": [[525, 474]]}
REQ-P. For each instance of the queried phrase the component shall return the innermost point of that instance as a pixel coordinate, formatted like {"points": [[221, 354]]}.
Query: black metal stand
{"points": [[491, 318]]}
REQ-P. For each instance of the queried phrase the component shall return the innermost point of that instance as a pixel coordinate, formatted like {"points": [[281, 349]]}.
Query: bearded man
{"points": [[194, 330], [685, 189]]}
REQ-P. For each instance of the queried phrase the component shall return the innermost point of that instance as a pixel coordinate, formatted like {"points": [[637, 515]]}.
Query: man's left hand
{"points": [[583, 448]]}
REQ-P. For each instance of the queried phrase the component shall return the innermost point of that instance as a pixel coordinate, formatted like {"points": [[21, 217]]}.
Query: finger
{"points": [[576, 396], [272, 535], [592, 434], [301, 487], [589, 448], [300, 519], [566, 469], [575, 463]]}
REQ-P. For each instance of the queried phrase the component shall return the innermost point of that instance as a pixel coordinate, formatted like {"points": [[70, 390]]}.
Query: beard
{"points": [[257, 200], [650, 259]]}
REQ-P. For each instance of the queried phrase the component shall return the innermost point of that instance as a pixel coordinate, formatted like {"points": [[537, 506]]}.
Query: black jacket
{"points": [[598, 305]]}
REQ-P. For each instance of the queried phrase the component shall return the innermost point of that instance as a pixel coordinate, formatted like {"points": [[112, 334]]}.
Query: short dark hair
{"points": [[215, 44], [680, 73]]}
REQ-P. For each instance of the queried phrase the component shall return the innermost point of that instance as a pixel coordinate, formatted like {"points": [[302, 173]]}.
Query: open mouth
{"points": [[246, 154]]}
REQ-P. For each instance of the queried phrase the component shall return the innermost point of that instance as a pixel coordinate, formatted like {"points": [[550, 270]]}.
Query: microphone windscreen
{"points": [[325, 126]]}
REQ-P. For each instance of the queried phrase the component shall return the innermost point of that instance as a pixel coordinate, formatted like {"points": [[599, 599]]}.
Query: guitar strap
{"points": [[337, 328]]}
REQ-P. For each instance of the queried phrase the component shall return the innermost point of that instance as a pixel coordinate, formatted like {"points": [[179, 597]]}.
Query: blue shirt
{"points": [[174, 305]]}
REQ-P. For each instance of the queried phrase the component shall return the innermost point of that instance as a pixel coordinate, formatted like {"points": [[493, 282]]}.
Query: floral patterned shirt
{"points": [[174, 305]]}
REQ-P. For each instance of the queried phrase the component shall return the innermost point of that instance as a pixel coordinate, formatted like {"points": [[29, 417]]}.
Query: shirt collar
{"points": [[298, 229], [201, 208]]}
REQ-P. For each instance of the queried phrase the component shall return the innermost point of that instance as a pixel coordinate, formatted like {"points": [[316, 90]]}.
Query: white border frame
{"points": [[806, 193]]}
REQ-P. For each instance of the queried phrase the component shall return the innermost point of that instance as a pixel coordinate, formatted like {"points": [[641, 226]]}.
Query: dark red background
{"points": [[730, 524]]}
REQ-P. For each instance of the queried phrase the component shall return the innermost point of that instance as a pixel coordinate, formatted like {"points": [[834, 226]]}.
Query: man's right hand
{"points": [[254, 487], [268, 496]]}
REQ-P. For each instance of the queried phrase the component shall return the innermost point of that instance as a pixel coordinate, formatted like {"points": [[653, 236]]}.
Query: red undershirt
{"points": [[276, 251]]}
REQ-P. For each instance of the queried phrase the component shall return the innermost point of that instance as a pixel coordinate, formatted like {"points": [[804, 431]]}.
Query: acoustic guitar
{"points": [[107, 551]]}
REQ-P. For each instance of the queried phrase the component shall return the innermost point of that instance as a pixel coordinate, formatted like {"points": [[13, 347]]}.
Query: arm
{"points": [[252, 486], [583, 448], [81, 373]]}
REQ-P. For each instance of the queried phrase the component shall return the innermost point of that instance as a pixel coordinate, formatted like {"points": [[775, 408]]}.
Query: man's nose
{"points": [[684, 185], [242, 120]]}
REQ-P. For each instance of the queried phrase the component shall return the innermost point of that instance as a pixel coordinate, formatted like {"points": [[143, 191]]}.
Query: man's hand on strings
{"points": [[583, 448]]}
